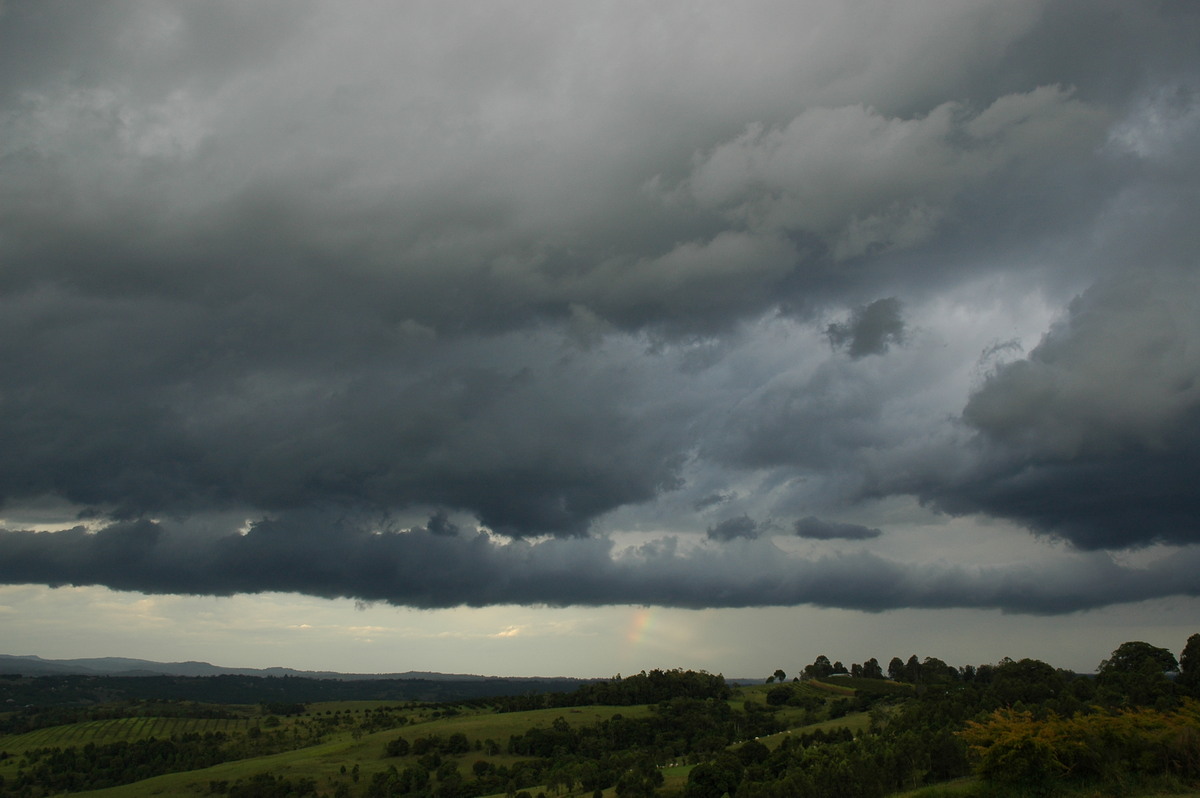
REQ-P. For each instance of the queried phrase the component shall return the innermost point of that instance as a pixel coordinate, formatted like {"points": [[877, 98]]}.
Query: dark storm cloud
{"points": [[817, 529], [323, 556], [304, 190], [529, 447], [506, 264], [711, 500], [1095, 437], [440, 524], [870, 329], [731, 528]]}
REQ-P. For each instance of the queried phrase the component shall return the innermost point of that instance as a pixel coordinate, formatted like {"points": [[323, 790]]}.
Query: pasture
{"points": [[325, 762], [344, 756]]}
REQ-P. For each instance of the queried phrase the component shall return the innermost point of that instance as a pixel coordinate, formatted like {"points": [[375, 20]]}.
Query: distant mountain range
{"points": [[30, 665]]}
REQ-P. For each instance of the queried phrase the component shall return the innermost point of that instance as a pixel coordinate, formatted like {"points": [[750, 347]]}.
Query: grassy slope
{"points": [[324, 762]]}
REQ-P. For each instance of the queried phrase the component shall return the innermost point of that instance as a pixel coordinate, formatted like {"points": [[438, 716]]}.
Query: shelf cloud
{"points": [[331, 557]]}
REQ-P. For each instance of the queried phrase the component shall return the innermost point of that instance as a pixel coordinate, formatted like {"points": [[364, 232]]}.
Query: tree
{"points": [[714, 779], [1136, 674], [780, 675], [1189, 664], [871, 669], [820, 668], [779, 695], [1139, 657], [1029, 681], [935, 670], [985, 673], [752, 752], [896, 669], [640, 781], [912, 670]]}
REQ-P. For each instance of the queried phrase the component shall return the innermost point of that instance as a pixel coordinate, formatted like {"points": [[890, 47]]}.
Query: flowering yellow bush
{"points": [[1013, 747]]}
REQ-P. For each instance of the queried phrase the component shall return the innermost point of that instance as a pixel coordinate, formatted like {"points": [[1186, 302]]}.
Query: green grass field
{"points": [[347, 753], [324, 762]]}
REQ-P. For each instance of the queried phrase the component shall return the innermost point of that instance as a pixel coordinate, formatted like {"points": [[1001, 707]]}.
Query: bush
{"points": [[778, 696], [1013, 748]]}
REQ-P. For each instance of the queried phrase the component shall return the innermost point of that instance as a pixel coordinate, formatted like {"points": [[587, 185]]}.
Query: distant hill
{"points": [[30, 665]]}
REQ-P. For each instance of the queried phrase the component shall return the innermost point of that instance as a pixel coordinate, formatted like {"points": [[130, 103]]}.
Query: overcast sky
{"points": [[572, 338]]}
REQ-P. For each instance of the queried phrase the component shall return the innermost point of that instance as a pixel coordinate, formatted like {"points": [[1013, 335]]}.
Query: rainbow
{"points": [[639, 627]]}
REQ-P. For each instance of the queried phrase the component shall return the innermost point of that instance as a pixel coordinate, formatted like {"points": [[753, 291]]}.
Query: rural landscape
{"points": [[566, 399], [915, 727]]}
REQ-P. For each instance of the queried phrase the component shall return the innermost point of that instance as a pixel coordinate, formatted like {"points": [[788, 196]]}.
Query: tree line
{"points": [[1024, 727], [38, 692]]}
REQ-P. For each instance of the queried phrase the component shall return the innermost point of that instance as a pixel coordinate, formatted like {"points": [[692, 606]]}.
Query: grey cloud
{"points": [[397, 258], [818, 529], [1120, 370], [739, 527], [998, 351], [711, 500], [870, 329], [867, 183], [813, 421], [440, 524], [1094, 437], [336, 558], [151, 47], [106, 412], [302, 187]]}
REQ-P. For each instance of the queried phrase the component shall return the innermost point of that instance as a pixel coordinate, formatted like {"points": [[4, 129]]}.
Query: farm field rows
{"points": [[331, 762], [323, 763], [117, 729]]}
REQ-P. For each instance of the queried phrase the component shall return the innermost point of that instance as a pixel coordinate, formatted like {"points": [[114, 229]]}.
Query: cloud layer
{"points": [[420, 568], [562, 274]]}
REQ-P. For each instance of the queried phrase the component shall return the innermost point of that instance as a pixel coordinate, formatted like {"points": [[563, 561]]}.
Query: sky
{"points": [[564, 338]]}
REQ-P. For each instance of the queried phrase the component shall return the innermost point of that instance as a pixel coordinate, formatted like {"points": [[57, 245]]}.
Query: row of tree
{"points": [[932, 669], [650, 687]]}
